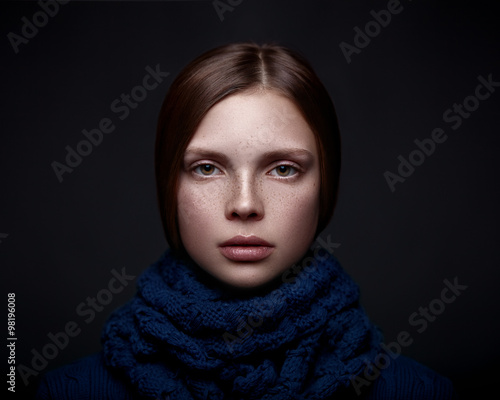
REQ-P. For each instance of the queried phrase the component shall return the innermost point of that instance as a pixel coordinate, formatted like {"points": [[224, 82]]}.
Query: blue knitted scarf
{"points": [[180, 338]]}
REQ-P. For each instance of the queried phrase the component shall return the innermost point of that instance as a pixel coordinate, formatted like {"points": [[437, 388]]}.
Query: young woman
{"points": [[242, 305]]}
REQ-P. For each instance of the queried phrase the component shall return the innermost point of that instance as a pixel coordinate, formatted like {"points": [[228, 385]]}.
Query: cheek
{"points": [[189, 207], [197, 207], [296, 213]]}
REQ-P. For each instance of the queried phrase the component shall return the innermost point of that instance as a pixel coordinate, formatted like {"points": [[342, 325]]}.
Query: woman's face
{"points": [[248, 197]]}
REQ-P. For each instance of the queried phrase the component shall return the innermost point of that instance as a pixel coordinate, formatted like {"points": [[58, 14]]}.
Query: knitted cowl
{"points": [[178, 338]]}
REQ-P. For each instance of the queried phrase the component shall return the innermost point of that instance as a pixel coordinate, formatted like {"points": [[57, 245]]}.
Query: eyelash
{"points": [[196, 167], [295, 170], [291, 167]]}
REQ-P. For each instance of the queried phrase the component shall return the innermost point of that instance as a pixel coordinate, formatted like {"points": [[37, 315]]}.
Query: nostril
{"points": [[252, 215]]}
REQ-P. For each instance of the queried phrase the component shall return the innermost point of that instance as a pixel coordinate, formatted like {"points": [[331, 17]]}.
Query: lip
{"points": [[246, 249]]}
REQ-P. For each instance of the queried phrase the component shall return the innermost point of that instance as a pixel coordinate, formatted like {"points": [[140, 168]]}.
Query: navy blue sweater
{"points": [[89, 378]]}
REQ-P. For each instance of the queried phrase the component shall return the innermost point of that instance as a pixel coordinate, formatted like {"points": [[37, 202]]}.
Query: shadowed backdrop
{"points": [[416, 86]]}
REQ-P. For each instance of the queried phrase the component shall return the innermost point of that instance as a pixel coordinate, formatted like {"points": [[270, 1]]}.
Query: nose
{"points": [[245, 199]]}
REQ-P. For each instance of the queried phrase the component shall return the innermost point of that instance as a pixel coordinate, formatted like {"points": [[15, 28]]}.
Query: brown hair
{"points": [[230, 69]]}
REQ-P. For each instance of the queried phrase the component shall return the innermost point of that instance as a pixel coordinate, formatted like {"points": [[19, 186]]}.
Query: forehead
{"points": [[253, 121]]}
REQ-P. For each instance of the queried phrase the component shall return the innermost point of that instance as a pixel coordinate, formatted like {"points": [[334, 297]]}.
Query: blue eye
{"points": [[206, 169], [284, 171]]}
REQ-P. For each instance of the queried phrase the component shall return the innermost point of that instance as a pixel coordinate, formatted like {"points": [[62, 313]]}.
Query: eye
{"points": [[284, 171], [206, 169]]}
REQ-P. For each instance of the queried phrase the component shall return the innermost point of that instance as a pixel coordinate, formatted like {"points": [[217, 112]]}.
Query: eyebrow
{"points": [[267, 156], [287, 152], [205, 153]]}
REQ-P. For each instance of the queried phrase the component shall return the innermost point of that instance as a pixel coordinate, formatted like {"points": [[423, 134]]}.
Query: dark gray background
{"points": [[61, 241]]}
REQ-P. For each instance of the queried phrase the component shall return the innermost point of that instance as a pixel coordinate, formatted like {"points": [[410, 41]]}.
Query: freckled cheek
{"points": [[295, 211], [197, 206]]}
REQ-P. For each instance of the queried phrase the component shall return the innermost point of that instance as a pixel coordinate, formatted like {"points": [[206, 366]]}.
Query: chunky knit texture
{"points": [[88, 378], [183, 339]]}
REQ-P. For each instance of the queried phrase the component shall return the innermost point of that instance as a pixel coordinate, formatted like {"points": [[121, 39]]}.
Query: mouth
{"points": [[246, 249]]}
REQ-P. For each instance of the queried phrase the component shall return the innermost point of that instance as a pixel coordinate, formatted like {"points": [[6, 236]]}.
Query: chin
{"points": [[242, 276], [248, 280]]}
